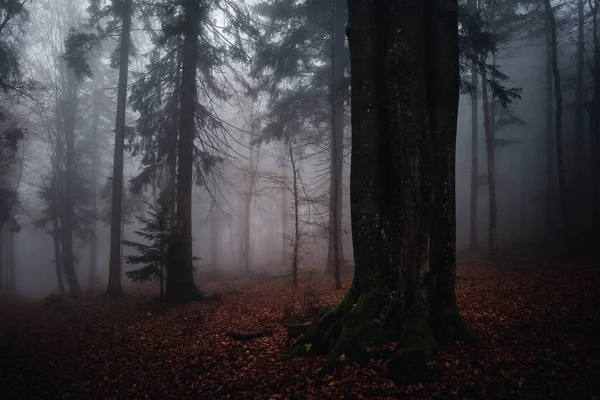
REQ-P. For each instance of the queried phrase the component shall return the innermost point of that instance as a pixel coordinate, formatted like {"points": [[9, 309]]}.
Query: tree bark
{"points": [[474, 151], [2, 264], [402, 54], [67, 228], [489, 145], [335, 253], [180, 278], [562, 181], [116, 217]]}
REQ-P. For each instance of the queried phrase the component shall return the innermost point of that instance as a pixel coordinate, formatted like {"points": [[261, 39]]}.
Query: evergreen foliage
{"points": [[153, 252]]}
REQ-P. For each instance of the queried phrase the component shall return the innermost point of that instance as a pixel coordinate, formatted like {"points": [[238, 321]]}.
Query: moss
{"points": [[450, 327], [299, 329]]}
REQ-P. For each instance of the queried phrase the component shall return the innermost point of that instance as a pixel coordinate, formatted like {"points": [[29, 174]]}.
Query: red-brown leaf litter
{"points": [[538, 325]]}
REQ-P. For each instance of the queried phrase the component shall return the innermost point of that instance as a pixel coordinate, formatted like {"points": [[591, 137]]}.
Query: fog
{"points": [[528, 203]]}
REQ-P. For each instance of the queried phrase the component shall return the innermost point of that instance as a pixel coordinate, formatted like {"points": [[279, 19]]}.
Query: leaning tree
{"points": [[405, 89]]}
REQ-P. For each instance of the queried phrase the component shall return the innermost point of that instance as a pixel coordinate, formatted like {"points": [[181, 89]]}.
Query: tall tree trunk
{"points": [[180, 278], [92, 277], [550, 135], [295, 171], [116, 216], [595, 115], [335, 253], [69, 205], [562, 181], [579, 110], [474, 151], [489, 145], [402, 53]]}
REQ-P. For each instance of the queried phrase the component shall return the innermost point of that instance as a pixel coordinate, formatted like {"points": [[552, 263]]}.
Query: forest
{"points": [[299, 199]]}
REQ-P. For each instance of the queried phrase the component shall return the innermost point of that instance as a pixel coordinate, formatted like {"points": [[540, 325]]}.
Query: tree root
{"points": [[353, 330]]}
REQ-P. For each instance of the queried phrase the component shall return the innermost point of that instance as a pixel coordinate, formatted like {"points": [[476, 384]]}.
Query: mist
{"points": [[230, 151]]}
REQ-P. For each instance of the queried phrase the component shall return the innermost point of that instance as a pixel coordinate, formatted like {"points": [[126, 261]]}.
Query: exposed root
{"points": [[353, 330]]}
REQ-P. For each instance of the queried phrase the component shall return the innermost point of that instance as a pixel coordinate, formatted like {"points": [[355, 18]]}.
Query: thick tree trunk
{"points": [[335, 253], [403, 53], [67, 228], [474, 151], [116, 217], [562, 180], [489, 145], [2, 264], [180, 279]]}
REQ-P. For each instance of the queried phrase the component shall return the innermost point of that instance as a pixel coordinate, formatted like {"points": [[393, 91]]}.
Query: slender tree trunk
{"points": [[474, 151], [578, 174], [92, 277], [67, 228], [562, 181], [524, 188], [116, 217], [180, 282], [550, 136], [401, 54], [284, 210], [10, 262], [335, 253], [214, 240], [489, 142], [296, 217]]}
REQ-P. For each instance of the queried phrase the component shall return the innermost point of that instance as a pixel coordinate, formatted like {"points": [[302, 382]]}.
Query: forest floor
{"points": [[539, 326]]}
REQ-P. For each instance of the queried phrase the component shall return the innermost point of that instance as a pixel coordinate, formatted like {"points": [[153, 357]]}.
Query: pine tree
{"points": [[153, 254]]}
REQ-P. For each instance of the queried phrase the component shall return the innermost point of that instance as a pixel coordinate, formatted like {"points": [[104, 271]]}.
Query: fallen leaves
{"points": [[538, 326]]}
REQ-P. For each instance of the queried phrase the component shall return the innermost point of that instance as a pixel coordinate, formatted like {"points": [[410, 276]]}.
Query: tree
{"points": [[335, 253], [304, 51], [180, 285], [114, 278], [405, 87], [153, 254], [474, 149], [558, 119]]}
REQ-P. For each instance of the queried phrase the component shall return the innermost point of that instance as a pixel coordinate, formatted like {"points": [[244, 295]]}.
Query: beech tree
{"points": [[405, 88]]}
